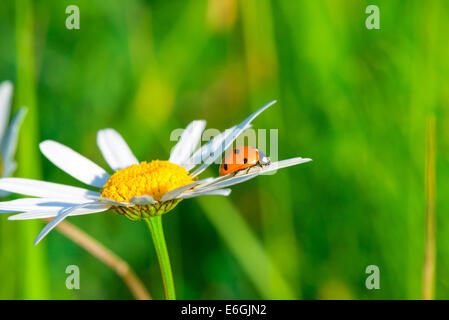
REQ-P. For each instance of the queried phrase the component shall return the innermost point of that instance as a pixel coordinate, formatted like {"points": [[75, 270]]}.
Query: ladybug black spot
{"points": [[236, 151], [245, 160], [225, 166]]}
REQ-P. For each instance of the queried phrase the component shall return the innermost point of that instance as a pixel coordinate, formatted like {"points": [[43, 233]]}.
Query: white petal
{"points": [[5, 105], [221, 192], [143, 200], [74, 164], [188, 142], [176, 192], [284, 164], [42, 214], [206, 151], [61, 216], [9, 143], [44, 189], [210, 181], [115, 150], [51, 205], [230, 138], [212, 150], [229, 181], [111, 202], [39, 204]]}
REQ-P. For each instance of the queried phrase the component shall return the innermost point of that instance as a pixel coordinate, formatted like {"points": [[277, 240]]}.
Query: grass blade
{"points": [[35, 273], [246, 247], [429, 260]]}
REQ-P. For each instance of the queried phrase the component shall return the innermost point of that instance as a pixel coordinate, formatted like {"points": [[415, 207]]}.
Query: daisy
{"points": [[8, 134], [136, 190], [144, 190]]}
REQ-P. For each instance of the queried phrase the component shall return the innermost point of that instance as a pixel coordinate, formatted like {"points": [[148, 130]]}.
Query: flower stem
{"points": [[157, 233]]}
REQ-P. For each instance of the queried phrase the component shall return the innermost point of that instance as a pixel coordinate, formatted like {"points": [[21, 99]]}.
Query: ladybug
{"points": [[243, 158]]}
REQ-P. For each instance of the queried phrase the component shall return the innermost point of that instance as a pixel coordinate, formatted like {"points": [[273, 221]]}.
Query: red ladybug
{"points": [[243, 158]]}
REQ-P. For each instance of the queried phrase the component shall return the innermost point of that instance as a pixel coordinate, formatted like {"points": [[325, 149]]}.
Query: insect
{"points": [[243, 158]]}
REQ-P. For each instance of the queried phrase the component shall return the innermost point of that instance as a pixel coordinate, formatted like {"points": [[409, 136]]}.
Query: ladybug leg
{"points": [[251, 168], [261, 165]]}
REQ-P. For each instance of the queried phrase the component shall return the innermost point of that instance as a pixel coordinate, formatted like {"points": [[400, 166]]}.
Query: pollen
{"points": [[154, 178]]}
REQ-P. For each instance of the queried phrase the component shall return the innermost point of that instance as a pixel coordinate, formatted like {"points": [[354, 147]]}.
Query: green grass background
{"points": [[354, 100]]}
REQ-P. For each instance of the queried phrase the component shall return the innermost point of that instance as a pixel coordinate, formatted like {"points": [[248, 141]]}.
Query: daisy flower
{"points": [[8, 145], [8, 134], [137, 190]]}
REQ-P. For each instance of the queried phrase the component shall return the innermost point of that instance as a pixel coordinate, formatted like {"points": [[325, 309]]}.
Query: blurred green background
{"points": [[354, 100]]}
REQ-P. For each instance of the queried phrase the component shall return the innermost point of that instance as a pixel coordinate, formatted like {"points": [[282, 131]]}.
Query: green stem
{"points": [[157, 233]]}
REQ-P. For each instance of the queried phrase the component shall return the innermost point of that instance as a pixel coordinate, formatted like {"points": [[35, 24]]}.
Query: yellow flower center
{"points": [[154, 178]]}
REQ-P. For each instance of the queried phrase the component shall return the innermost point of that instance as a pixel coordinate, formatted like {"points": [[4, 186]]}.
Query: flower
{"points": [[136, 190], [8, 134]]}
